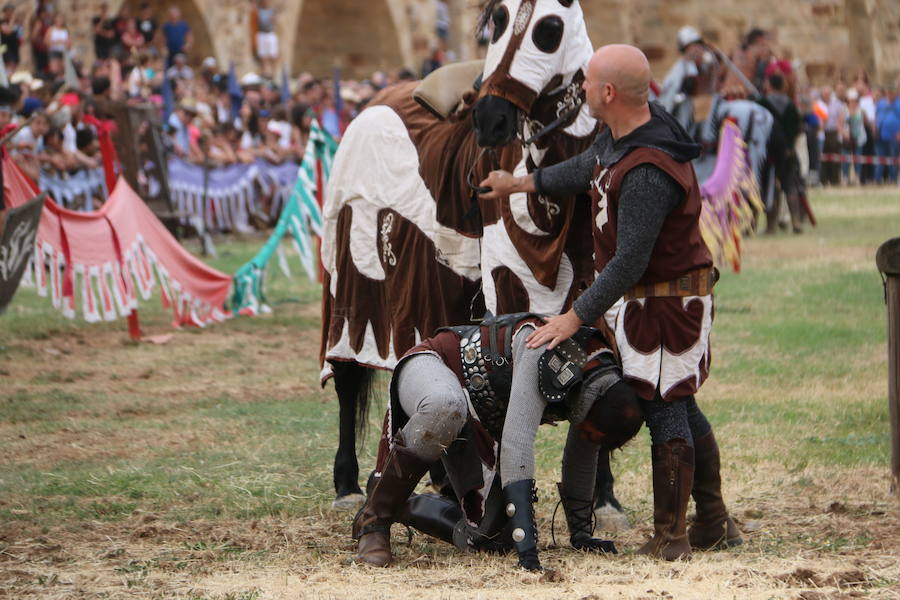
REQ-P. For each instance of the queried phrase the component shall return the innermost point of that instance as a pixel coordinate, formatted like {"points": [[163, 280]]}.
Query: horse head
{"points": [[538, 48]]}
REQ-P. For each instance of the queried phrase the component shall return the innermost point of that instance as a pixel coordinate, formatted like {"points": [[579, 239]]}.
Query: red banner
{"points": [[111, 255]]}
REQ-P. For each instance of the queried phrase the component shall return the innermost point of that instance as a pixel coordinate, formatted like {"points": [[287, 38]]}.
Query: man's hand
{"points": [[503, 183], [556, 330]]}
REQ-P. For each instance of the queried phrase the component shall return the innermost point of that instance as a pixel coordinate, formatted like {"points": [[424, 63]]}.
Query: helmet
{"points": [[615, 415], [686, 36]]}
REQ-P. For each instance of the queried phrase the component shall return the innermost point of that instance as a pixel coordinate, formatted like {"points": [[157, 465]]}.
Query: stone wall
{"points": [[828, 36], [315, 35]]}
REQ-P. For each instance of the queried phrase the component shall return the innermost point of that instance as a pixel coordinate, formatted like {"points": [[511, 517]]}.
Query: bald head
{"points": [[626, 68]]}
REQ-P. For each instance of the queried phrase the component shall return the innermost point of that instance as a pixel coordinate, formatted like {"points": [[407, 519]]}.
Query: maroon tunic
{"points": [[680, 247], [663, 341]]}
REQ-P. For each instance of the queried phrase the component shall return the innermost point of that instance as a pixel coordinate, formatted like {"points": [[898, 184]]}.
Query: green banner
{"points": [[301, 217]]}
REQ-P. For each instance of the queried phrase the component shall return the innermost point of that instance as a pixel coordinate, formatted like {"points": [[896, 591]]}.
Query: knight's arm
{"points": [[570, 177], [648, 195], [524, 413]]}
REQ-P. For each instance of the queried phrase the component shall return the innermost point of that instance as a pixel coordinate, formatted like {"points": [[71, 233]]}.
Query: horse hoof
{"points": [[611, 520], [348, 502]]}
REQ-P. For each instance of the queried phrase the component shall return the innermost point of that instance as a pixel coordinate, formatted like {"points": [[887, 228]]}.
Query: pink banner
{"points": [[107, 257]]}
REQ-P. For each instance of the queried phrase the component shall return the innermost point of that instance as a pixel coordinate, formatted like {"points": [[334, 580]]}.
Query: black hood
{"points": [[661, 132]]}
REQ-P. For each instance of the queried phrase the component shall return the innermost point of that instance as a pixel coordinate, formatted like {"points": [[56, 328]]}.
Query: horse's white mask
{"points": [[533, 42]]}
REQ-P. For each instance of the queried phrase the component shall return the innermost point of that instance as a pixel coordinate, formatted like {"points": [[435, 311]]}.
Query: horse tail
{"points": [[355, 387], [367, 390]]}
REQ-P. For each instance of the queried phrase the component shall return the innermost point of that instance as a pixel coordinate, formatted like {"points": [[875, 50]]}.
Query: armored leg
{"points": [[520, 497]]}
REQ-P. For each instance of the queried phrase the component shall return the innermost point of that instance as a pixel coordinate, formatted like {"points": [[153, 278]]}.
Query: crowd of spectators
{"points": [[852, 127], [211, 114], [208, 112], [856, 126]]}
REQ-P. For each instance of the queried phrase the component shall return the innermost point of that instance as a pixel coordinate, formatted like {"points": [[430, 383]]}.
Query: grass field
{"points": [[201, 468]]}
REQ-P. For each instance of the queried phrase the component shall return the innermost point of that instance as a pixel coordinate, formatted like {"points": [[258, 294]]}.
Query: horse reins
{"points": [[495, 164]]}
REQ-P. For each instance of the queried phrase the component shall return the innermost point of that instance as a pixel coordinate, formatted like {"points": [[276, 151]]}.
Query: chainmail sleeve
{"points": [[524, 413], [572, 176]]}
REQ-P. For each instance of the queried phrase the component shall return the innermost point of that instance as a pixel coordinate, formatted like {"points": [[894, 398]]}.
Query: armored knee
{"points": [[437, 422], [447, 411]]}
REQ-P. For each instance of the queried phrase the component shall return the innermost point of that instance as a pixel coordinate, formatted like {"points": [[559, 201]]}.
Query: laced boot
{"points": [[520, 497], [579, 517], [713, 528], [673, 476], [372, 525]]}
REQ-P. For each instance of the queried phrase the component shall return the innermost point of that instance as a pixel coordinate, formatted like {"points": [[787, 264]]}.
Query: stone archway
{"points": [[203, 41], [358, 37]]}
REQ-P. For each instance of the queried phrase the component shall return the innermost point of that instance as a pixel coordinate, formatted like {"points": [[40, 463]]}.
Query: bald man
{"points": [[648, 252]]}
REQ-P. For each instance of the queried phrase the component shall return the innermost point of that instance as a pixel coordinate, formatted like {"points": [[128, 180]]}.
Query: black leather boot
{"points": [[520, 497], [437, 516], [579, 517]]}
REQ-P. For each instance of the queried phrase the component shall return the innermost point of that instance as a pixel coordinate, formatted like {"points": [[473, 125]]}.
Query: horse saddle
{"points": [[442, 90]]}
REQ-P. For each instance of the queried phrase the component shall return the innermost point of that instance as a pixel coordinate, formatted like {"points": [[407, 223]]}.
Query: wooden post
{"points": [[888, 261]]}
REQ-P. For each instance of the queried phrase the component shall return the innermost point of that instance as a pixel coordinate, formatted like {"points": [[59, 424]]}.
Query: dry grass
{"points": [[200, 469]]}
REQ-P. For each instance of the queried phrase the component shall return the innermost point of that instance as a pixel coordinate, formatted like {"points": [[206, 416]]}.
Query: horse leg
{"points": [[349, 383], [608, 513]]}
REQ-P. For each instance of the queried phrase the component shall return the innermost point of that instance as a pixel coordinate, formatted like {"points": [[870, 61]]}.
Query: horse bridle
{"points": [[567, 110]]}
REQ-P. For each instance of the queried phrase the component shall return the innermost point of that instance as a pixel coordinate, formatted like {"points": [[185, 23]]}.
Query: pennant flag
{"points": [[730, 200], [234, 92], [338, 101], [301, 216], [168, 98], [285, 86], [71, 75]]}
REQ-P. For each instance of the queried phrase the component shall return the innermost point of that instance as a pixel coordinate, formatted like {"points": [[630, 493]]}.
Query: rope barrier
{"points": [[831, 157]]}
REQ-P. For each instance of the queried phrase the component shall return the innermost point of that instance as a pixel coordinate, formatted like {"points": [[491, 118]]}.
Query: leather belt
{"points": [[698, 282]]}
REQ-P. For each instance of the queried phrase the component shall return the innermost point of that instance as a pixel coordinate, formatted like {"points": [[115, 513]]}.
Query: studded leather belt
{"points": [[490, 410]]}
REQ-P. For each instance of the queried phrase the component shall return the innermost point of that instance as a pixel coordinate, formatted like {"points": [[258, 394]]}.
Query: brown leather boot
{"points": [[673, 476], [372, 525], [713, 528]]}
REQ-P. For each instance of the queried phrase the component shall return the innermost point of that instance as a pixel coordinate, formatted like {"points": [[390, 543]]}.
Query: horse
{"points": [[408, 247]]}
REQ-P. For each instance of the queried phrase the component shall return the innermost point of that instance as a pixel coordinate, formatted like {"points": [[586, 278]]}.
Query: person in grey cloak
{"points": [[695, 74]]}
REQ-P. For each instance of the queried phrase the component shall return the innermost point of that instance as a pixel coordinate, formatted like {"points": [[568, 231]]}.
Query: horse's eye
{"points": [[501, 20], [566, 3], [548, 34]]}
